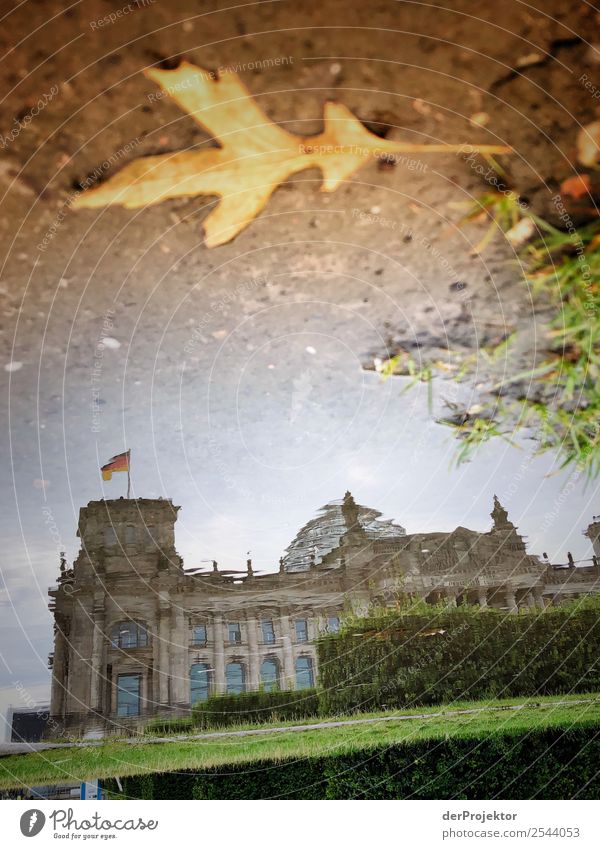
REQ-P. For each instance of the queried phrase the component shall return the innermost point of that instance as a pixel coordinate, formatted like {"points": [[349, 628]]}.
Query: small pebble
{"points": [[480, 119], [14, 365], [111, 343]]}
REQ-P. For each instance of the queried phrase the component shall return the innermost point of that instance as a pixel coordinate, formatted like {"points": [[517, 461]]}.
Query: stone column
{"points": [[218, 653], [450, 597], [97, 654], [70, 705], [153, 695], [180, 680], [482, 596], [57, 700], [538, 596], [253, 655], [289, 672], [164, 632], [511, 601]]}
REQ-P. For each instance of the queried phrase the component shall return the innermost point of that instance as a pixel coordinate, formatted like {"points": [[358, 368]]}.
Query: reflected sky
{"points": [[250, 430]]}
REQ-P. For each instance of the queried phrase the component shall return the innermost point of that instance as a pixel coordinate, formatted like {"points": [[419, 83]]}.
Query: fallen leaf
{"points": [[576, 187], [254, 157], [588, 144]]}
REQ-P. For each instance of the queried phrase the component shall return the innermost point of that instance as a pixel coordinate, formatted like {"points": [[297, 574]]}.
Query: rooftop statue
{"points": [[500, 516]]}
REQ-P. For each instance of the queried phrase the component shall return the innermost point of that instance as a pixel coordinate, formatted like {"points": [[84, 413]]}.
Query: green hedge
{"points": [[259, 706], [180, 725], [542, 764], [447, 654]]}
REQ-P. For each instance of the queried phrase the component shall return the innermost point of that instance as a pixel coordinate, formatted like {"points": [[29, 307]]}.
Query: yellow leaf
{"points": [[253, 158]]}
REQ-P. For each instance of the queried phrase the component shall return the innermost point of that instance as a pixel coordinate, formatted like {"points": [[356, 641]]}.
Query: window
{"points": [[130, 535], [199, 635], [234, 633], [301, 630], [199, 682], [129, 635], [269, 674], [128, 695], [333, 624], [304, 673], [110, 536], [235, 677], [268, 631]]}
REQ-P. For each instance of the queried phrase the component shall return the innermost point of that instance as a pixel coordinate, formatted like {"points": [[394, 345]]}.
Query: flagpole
{"points": [[128, 472]]}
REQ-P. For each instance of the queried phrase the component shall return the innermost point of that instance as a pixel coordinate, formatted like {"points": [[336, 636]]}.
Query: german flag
{"points": [[119, 463]]}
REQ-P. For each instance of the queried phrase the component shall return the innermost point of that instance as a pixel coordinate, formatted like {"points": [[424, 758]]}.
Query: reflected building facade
{"points": [[137, 636]]}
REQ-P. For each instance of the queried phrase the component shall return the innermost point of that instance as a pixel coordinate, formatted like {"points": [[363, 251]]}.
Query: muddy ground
{"points": [[381, 262]]}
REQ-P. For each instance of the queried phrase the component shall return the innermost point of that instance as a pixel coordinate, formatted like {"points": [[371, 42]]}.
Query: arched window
{"points": [[129, 635], [199, 682], [304, 672], [269, 674], [236, 677]]}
